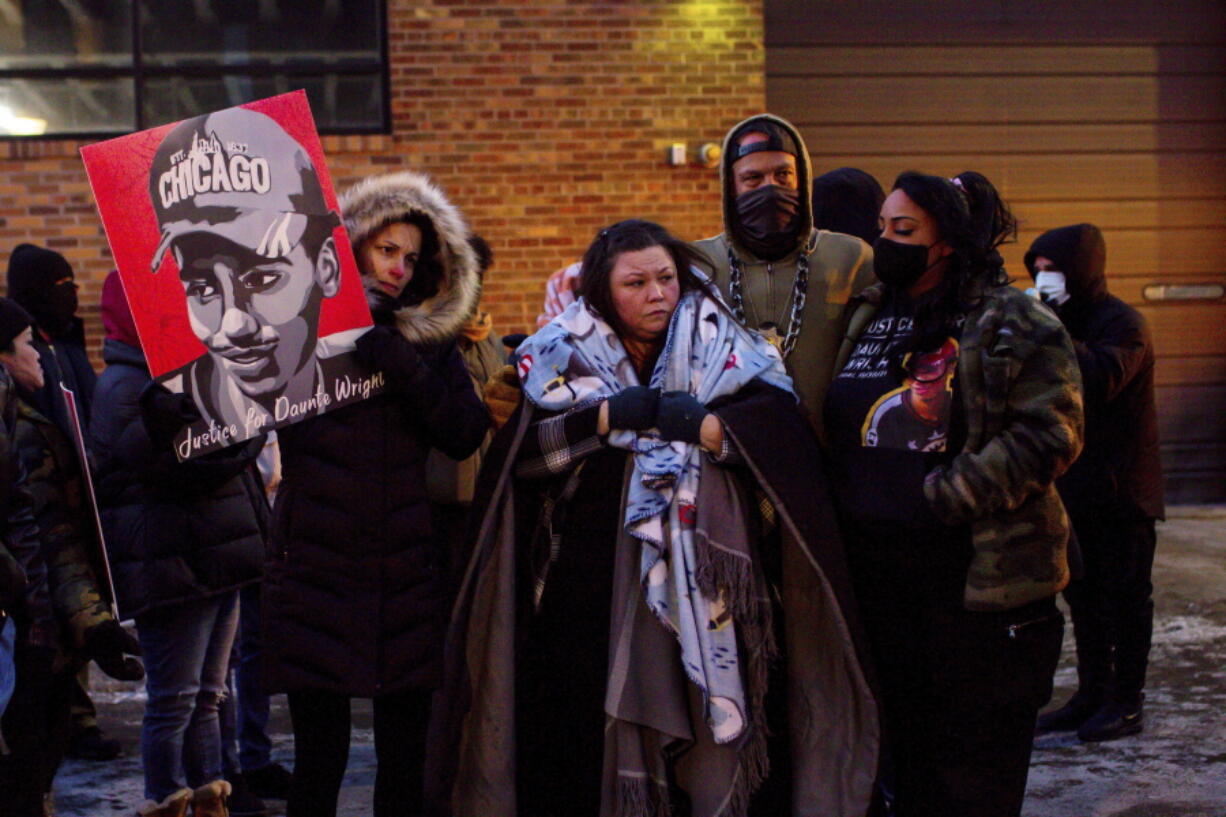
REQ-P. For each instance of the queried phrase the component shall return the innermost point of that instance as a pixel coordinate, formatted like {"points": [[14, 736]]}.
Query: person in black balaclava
{"points": [[41, 281], [848, 200], [1113, 492]]}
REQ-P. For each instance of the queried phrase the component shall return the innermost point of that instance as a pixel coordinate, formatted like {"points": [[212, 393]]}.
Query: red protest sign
{"points": [[226, 232]]}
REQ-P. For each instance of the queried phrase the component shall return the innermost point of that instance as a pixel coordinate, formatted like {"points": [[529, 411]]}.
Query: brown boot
{"points": [[175, 805], [210, 799]]}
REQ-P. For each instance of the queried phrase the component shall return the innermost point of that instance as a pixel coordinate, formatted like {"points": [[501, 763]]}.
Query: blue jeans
{"points": [[244, 713], [8, 670], [187, 655]]}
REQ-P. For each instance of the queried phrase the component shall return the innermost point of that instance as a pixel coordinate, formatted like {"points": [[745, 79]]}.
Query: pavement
{"points": [[1175, 768]]}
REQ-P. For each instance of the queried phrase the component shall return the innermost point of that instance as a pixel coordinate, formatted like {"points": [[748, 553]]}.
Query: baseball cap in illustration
{"points": [[236, 174]]}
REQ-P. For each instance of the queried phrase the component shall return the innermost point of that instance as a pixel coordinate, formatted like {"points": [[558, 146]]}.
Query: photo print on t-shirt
{"points": [[915, 416]]}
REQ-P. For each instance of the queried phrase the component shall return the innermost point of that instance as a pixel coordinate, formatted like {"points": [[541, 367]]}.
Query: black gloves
{"points": [[633, 408], [384, 349], [108, 644], [679, 416], [166, 413], [409, 376]]}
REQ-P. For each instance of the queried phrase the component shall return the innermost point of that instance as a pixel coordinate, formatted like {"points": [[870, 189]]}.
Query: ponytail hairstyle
{"points": [[973, 221], [992, 219]]}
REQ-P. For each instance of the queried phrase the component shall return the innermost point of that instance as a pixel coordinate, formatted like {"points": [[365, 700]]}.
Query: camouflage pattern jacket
{"points": [[69, 542], [1021, 392], [23, 557]]}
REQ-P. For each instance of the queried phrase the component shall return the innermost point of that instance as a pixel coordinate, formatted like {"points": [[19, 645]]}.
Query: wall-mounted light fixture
{"points": [[707, 155]]}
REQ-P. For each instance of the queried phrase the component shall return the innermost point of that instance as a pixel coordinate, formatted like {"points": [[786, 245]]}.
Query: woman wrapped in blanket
{"points": [[956, 405], [656, 618]]}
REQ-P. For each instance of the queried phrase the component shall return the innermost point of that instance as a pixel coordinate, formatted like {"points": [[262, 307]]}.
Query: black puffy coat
{"points": [[356, 595], [1119, 469], [175, 531]]}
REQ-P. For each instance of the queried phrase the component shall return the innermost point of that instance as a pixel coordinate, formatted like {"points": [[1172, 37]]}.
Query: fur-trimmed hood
{"points": [[378, 200]]}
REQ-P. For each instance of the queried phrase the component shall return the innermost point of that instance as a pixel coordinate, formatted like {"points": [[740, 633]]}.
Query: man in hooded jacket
{"points": [[778, 272], [1113, 492]]}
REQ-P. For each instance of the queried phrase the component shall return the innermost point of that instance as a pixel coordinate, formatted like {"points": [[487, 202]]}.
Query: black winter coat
{"points": [[65, 360], [175, 531], [356, 593], [1119, 471]]}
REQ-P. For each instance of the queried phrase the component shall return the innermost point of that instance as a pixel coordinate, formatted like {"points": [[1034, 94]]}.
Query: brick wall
{"points": [[542, 120]]}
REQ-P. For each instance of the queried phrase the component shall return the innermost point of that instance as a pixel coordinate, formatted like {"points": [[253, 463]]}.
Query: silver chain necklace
{"points": [[800, 288]]}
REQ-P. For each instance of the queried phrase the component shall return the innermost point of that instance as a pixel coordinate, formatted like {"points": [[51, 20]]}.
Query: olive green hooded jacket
{"points": [[70, 543], [840, 266]]}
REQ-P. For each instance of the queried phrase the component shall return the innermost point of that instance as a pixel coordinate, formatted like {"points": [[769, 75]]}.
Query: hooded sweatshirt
{"points": [[1120, 467], [840, 266], [848, 200], [116, 315]]}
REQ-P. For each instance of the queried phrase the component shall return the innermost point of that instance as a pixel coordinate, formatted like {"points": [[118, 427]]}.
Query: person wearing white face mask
{"points": [[1051, 287], [1113, 492]]}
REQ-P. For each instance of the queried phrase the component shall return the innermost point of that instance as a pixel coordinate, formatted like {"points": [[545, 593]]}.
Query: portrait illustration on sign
{"points": [[239, 241]]}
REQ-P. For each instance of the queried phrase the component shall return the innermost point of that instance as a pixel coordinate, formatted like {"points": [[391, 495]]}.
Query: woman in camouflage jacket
{"points": [[956, 405]]}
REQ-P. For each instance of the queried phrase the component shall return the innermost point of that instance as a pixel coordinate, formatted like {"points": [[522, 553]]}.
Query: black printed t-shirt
{"points": [[889, 421]]}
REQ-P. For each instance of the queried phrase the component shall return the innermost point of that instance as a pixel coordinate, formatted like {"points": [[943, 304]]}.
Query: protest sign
{"points": [[242, 283]]}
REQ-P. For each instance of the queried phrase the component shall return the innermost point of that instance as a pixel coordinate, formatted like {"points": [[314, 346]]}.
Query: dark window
{"points": [[97, 67]]}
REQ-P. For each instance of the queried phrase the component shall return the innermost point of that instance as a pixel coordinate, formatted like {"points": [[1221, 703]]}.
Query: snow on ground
{"points": [[1175, 768]]}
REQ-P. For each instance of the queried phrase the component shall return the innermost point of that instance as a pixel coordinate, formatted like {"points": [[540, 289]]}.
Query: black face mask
{"points": [[65, 301], [55, 314], [767, 217], [900, 265]]}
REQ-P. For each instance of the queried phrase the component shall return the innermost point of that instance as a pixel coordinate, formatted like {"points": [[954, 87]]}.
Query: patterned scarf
{"points": [[577, 360]]}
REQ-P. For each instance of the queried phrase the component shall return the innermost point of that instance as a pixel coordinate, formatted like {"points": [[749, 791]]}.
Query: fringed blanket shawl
{"points": [[661, 683]]}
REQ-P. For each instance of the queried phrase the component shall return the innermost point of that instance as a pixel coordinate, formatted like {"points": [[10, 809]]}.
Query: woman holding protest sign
{"points": [[356, 585], [656, 573]]}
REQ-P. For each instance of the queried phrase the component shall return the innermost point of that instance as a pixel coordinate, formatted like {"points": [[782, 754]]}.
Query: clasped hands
{"points": [[676, 414]]}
